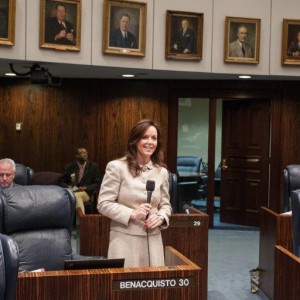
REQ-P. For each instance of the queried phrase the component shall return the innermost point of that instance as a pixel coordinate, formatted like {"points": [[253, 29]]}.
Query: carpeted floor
{"points": [[231, 255]]}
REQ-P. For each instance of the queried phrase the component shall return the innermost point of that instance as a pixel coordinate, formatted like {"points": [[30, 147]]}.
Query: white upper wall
{"points": [[271, 13]]}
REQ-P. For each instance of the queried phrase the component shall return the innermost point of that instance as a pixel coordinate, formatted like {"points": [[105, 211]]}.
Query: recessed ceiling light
{"points": [[10, 74], [244, 76], [128, 75]]}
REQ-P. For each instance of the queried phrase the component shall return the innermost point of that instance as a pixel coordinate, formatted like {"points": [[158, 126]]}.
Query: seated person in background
{"points": [[7, 173], [82, 177]]}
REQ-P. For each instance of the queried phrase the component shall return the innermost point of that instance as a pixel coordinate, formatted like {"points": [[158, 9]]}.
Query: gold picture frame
{"points": [[7, 22], [184, 35], [60, 24], [124, 28], [290, 52], [242, 40]]}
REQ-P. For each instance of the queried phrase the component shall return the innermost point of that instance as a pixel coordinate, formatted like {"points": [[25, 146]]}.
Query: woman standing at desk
{"points": [[136, 224]]}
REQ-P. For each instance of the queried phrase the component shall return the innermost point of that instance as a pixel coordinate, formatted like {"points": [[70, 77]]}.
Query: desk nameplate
{"points": [[155, 283]]}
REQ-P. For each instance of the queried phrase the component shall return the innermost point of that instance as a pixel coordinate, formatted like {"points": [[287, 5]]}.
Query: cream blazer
{"points": [[121, 193]]}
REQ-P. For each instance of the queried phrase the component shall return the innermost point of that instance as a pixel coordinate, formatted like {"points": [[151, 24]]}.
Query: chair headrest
{"points": [[23, 175], [35, 207], [188, 163]]}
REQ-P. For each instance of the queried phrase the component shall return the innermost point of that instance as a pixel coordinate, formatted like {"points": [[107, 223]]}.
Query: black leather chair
{"points": [[188, 170], [9, 263], [24, 175], [218, 181], [173, 191], [47, 178], [295, 206], [40, 219], [188, 164], [291, 182]]}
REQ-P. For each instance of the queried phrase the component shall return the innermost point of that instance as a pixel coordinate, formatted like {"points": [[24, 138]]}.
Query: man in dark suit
{"points": [[294, 47], [58, 30], [7, 173], [82, 177], [121, 37], [184, 39]]}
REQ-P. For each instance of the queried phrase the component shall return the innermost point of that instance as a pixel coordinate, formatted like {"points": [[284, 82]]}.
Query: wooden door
{"points": [[245, 160]]}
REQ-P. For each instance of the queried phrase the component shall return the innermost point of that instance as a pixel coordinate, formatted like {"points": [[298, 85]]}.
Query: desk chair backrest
{"points": [[291, 182], [173, 191], [47, 178], [40, 219], [188, 164], [9, 263], [295, 206], [24, 175]]}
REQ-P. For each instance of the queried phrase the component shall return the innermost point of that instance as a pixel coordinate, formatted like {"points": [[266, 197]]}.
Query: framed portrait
{"points": [[242, 39], [7, 22], [290, 52], [60, 23], [124, 27], [184, 35]]}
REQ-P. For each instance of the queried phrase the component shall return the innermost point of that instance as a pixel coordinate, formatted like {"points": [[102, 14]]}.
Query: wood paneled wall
{"points": [[90, 113], [98, 114]]}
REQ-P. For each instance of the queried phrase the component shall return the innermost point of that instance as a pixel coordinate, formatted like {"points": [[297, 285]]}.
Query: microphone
{"points": [[150, 186], [186, 209]]}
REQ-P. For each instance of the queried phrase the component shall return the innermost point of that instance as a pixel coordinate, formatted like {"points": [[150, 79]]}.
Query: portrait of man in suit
{"points": [[240, 47], [184, 38], [124, 27], [59, 29], [4, 23], [293, 50]]}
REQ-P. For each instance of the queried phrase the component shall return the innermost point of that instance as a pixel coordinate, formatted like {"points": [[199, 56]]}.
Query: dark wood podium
{"points": [[179, 279], [187, 233]]}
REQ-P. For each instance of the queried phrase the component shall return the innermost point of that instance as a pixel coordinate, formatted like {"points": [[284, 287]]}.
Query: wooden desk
{"points": [[275, 229], [187, 233], [287, 273], [179, 279]]}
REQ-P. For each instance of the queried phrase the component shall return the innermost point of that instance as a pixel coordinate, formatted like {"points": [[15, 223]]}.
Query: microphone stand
{"points": [[149, 193], [150, 186]]}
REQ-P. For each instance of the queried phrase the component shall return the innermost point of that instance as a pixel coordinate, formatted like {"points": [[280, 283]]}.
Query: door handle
{"points": [[224, 164]]}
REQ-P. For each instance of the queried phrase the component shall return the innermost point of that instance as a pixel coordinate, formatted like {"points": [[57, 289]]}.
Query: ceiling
{"points": [[88, 71]]}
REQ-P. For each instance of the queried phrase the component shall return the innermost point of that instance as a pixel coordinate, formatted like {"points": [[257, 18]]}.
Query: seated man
{"points": [[7, 173], [82, 177]]}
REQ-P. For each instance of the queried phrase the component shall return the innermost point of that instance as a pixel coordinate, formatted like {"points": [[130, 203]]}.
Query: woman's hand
{"points": [[153, 221], [141, 212]]}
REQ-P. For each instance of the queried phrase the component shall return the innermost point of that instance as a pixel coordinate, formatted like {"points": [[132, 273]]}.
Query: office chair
{"points": [[24, 175], [40, 220], [291, 182], [218, 181], [295, 206], [9, 263], [173, 191], [188, 164], [47, 178]]}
